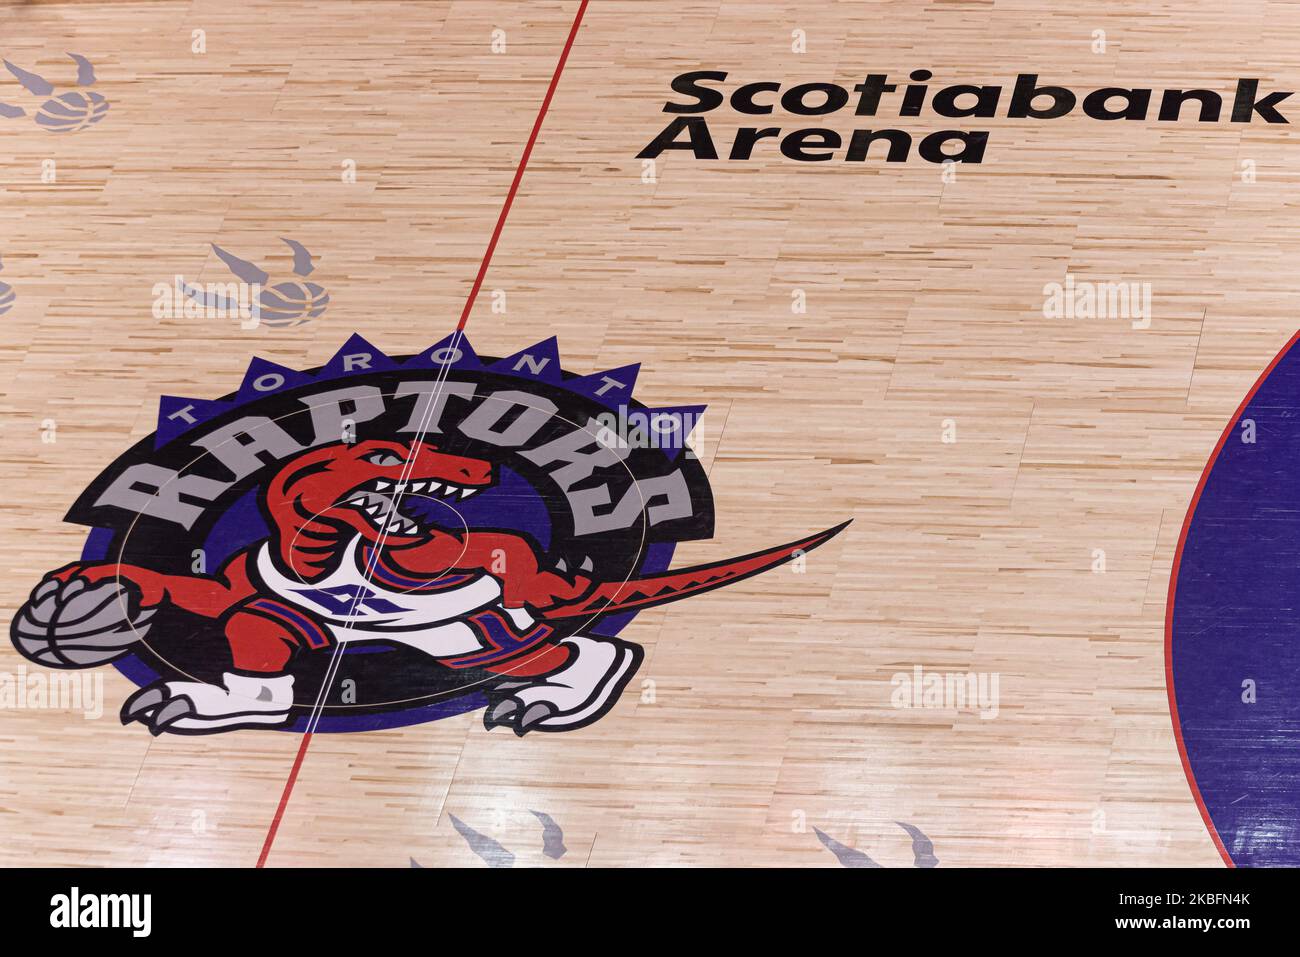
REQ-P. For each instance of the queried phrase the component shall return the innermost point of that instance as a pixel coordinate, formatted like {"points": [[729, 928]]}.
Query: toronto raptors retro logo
{"points": [[385, 541]]}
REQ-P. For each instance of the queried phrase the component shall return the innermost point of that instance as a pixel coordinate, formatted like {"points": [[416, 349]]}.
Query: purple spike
{"points": [[85, 70], [612, 387], [242, 268], [267, 378], [10, 112], [31, 82], [462, 356], [177, 415], [302, 265], [357, 355], [540, 361]]}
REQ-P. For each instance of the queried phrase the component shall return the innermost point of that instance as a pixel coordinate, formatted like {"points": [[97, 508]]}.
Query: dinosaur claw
{"points": [[500, 713], [170, 713], [537, 712], [146, 699]]}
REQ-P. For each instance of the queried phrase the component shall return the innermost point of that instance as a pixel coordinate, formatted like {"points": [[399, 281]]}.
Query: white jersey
{"points": [[360, 607]]}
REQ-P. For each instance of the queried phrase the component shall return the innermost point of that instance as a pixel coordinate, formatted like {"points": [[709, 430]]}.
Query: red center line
{"points": [[519, 173], [460, 327]]}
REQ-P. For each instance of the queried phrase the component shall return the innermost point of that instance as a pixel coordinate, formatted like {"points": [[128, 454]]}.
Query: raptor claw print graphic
{"points": [[69, 112], [419, 536], [277, 304]]}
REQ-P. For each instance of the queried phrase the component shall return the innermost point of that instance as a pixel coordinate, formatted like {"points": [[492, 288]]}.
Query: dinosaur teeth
{"points": [[467, 492], [373, 510], [381, 485], [418, 486]]}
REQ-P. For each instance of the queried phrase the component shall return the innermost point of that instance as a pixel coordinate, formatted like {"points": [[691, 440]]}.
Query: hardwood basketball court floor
{"points": [[1008, 374]]}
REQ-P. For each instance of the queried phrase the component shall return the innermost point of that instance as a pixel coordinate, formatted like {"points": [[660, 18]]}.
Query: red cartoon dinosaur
{"points": [[345, 562]]}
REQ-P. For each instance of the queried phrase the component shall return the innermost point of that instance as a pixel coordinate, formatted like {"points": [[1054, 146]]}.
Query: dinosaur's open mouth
{"points": [[378, 501]]}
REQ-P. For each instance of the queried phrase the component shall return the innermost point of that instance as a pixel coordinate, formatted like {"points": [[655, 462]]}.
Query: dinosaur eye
{"points": [[382, 458]]}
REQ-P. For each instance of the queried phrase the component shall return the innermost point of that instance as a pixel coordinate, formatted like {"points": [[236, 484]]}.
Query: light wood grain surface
{"points": [[771, 710]]}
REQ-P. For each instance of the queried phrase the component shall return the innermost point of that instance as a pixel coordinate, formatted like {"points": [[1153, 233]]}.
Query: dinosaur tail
{"points": [[612, 597]]}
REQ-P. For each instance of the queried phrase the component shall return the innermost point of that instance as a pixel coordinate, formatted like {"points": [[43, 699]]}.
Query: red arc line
{"points": [[1173, 594], [460, 327]]}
